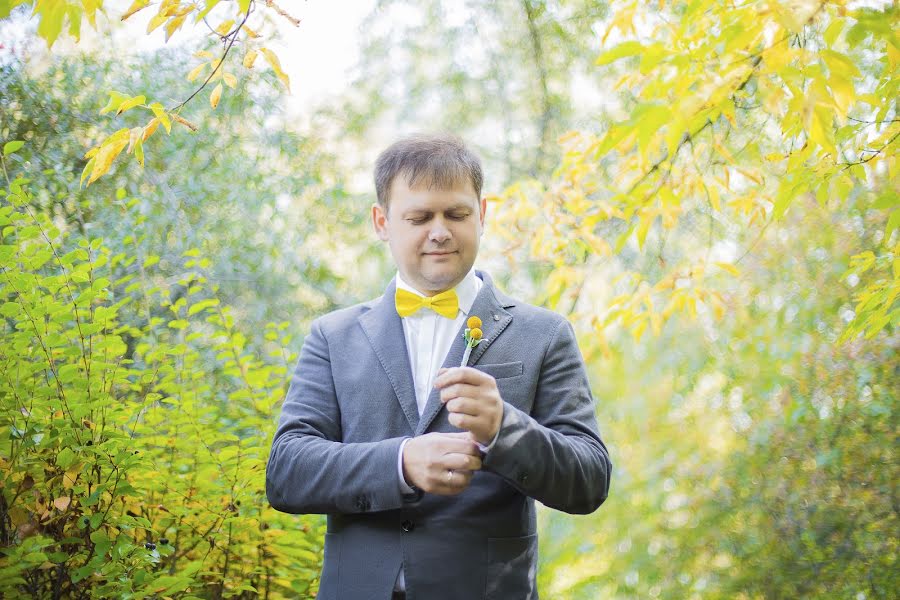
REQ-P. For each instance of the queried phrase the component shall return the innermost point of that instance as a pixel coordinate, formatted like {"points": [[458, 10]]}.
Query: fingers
{"points": [[460, 443], [441, 463], [461, 462], [451, 483], [466, 406], [456, 390], [460, 375]]}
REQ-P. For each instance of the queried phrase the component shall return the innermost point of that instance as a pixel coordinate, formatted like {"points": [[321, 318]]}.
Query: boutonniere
{"points": [[472, 335]]}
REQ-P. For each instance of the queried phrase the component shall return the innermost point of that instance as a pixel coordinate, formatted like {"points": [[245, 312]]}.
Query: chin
{"points": [[442, 280]]}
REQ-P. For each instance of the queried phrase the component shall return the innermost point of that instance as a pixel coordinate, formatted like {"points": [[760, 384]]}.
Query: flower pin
{"points": [[472, 335]]}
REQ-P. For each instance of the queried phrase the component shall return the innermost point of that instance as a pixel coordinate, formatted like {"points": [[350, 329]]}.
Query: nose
{"points": [[439, 232]]}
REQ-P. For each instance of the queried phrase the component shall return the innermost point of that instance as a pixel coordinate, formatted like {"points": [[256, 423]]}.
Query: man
{"points": [[427, 470]]}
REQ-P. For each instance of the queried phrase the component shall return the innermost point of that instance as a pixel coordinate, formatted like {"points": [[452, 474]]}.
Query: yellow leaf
{"points": [[844, 94], [210, 4], [105, 157], [229, 79], [174, 25], [638, 330], [71, 476], [135, 6], [250, 58], [728, 267], [250, 32], [820, 129], [276, 66], [714, 198], [839, 64], [133, 136], [130, 103], [215, 96], [150, 128], [224, 27], [62, 503], [195, 72], [88, 167], [139, 151], [203, 54], [157, 20], [161, 114]]}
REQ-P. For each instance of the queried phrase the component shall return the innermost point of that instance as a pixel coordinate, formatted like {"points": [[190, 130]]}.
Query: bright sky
{"points": [[316, 55]]}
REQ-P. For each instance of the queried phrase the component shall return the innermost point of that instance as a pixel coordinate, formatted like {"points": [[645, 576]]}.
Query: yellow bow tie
{"points": [[445, 304]]}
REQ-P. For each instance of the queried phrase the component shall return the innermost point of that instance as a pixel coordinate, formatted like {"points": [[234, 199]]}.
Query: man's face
{"points": [[433, 234]]}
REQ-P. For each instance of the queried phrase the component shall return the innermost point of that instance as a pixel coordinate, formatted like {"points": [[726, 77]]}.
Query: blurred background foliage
{"points": [[753, 439]]}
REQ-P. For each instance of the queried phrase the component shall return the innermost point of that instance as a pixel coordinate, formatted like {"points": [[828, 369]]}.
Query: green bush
{"points": [[133, 457]]}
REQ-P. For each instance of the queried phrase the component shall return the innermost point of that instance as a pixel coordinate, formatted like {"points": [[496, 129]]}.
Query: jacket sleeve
{"points": [[555, 454], [309, 469]]}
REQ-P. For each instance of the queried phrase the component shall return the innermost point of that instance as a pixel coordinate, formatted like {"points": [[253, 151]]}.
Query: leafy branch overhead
{"points": [[225, 21], [731, 115]]}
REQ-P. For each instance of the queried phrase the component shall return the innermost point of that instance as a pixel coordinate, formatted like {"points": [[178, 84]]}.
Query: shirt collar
{"points": [[466, 290]]}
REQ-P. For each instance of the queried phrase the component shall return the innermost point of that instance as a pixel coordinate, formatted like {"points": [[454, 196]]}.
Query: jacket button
{"points": [[523, 478], [407, 526], [362, 503]]}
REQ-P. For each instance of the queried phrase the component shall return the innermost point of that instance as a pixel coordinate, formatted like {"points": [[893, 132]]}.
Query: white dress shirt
{"points": [[428, 340]]}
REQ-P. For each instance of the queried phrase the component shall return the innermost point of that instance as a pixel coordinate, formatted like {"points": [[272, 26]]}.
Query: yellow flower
{"points": [[472, 335]]}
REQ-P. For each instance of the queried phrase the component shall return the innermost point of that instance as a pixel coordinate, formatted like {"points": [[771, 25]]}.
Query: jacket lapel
{"points": [[384, 329], [490, 306]]}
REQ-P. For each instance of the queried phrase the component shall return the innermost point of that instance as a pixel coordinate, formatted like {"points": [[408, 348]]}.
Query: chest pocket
{"points": [[502, 370]]}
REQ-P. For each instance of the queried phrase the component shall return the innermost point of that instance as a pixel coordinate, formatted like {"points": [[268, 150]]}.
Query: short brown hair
{"points": [[440, 160]]}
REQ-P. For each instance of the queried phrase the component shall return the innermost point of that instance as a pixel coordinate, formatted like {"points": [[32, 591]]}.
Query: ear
{"points": [[483, 211], [379, 221]]}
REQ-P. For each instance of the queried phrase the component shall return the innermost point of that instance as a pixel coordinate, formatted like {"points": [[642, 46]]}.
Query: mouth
{"points": [[439, 253]]}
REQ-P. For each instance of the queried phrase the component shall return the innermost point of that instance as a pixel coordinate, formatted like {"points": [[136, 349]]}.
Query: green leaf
{"points": [[130, 103], [202, 305], [115, 99], [65, 458], [892, 224], [51, 20], [10, 147], [139, 150], [630, 48]]}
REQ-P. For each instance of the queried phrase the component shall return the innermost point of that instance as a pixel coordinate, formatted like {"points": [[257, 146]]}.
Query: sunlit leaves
{"points": [[735, 111], [215, 96], [273, 61], [171, 15]]}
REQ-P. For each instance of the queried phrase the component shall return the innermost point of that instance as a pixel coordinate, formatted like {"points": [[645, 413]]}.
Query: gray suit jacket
{"points": [[351, 402]]}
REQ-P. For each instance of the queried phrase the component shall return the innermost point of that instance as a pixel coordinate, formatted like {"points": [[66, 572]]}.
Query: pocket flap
{"points": [[499, 371]]}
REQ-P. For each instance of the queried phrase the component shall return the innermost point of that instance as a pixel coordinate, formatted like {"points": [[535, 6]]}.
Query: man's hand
{"points": [[473, 400], [441, 463]]}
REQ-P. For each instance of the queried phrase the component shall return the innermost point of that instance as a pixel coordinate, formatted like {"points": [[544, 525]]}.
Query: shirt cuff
{"points": [[484, 449], [404, 487]]}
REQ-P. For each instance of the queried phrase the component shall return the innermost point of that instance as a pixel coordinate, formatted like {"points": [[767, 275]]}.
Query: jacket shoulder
{"points": [[531, 314], [343, 318]]}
